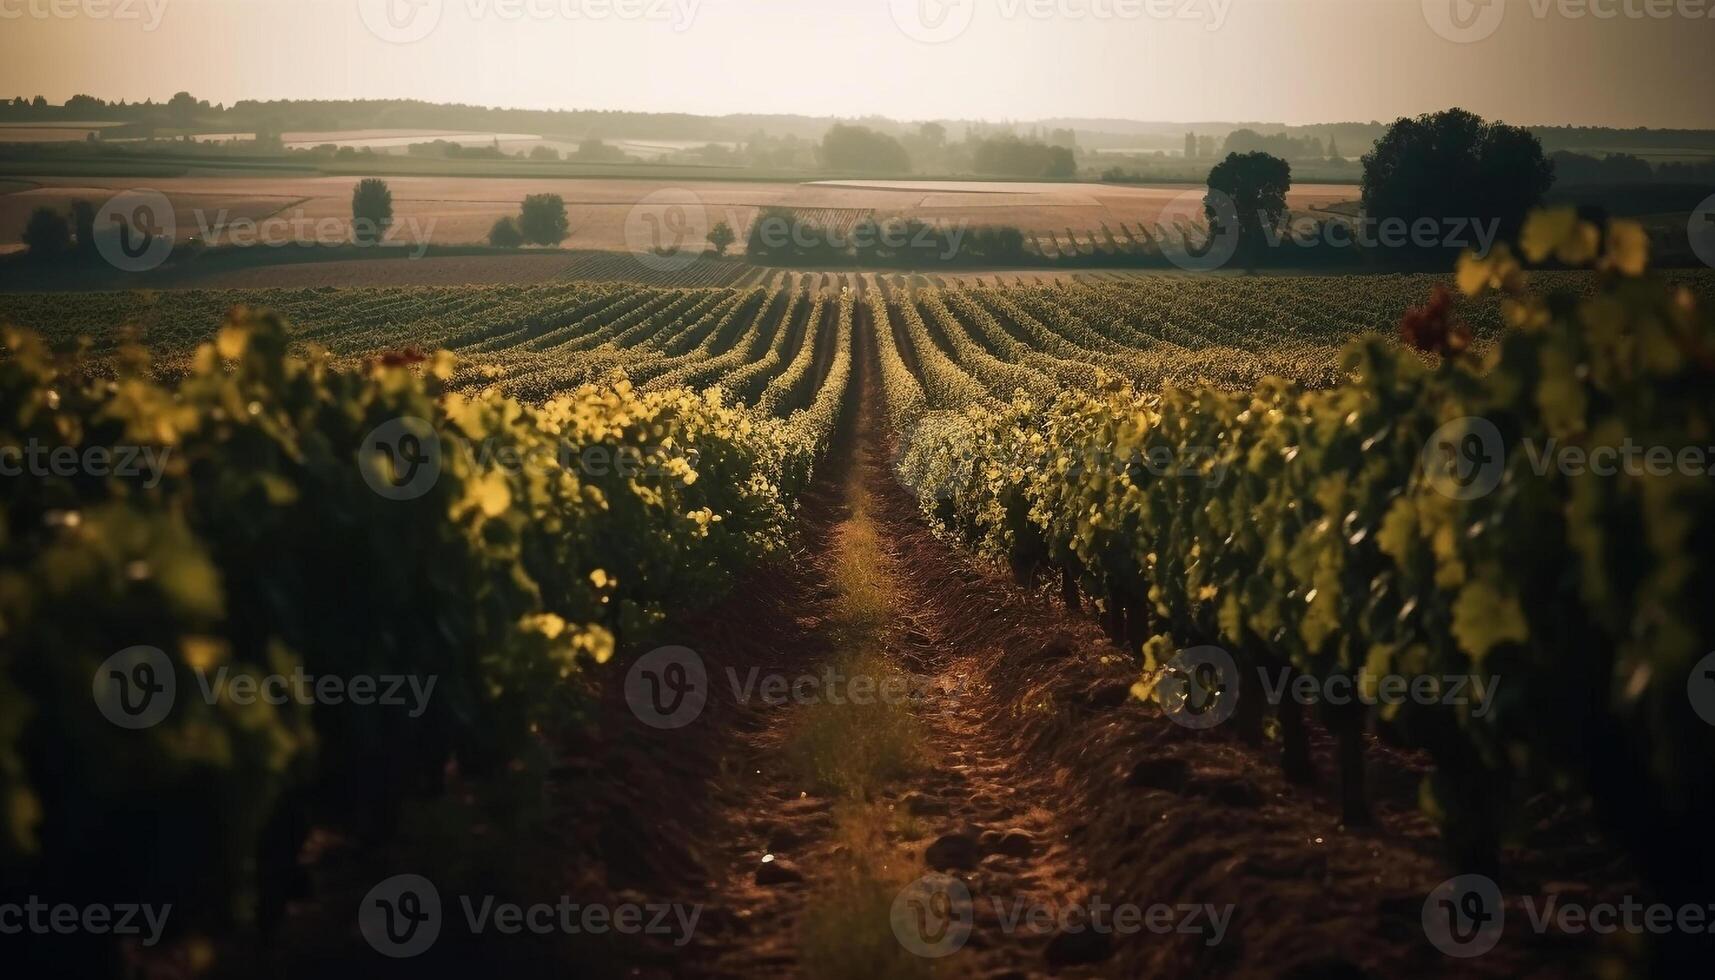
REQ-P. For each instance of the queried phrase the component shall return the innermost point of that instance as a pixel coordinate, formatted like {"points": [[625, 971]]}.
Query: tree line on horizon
{"points": [[786, 141]]}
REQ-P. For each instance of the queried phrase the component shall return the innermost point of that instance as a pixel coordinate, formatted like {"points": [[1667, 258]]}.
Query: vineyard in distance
{"points": [[856, 624]]}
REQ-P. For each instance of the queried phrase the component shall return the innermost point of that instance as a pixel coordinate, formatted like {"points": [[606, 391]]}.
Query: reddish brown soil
{"points": [[1042, 736]]}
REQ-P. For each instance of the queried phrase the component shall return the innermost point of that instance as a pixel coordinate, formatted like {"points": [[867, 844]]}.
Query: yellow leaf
{"points": [[203, 653], [493, 495], [1628, 248], [1472, 276], [231, 341], [597, 642], [443, 364], [1498, 270], [1484, 618], [1545, 230], [1579, 248], [548, 624], [23, 814]]}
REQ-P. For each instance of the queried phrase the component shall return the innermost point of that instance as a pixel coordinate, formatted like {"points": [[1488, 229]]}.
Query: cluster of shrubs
{"points": [[780, 236], [51, 236], [541, 221]]}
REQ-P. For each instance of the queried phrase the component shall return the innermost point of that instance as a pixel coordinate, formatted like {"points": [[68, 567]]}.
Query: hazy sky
{"points": [[1525, 61]]}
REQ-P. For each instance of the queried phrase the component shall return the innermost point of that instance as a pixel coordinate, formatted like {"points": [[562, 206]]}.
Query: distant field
{"points": [[460, 210], [1229, 331], [51, 133], [398, 140]]}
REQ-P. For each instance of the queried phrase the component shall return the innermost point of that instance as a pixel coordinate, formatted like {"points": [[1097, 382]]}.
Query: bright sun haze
{"points": [[1291, 61]]}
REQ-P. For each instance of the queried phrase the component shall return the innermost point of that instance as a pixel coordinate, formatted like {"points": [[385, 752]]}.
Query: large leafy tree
{"points": [[721, 237], [1454, 165], [861, 148], [1010, 156], [47, 234], [542, 220], [505, 233], [1255, 186], [371, 210]]}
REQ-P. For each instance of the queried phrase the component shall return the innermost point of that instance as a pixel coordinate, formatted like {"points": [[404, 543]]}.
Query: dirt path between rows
{"points": [[1016, 812], [816, 855]]}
